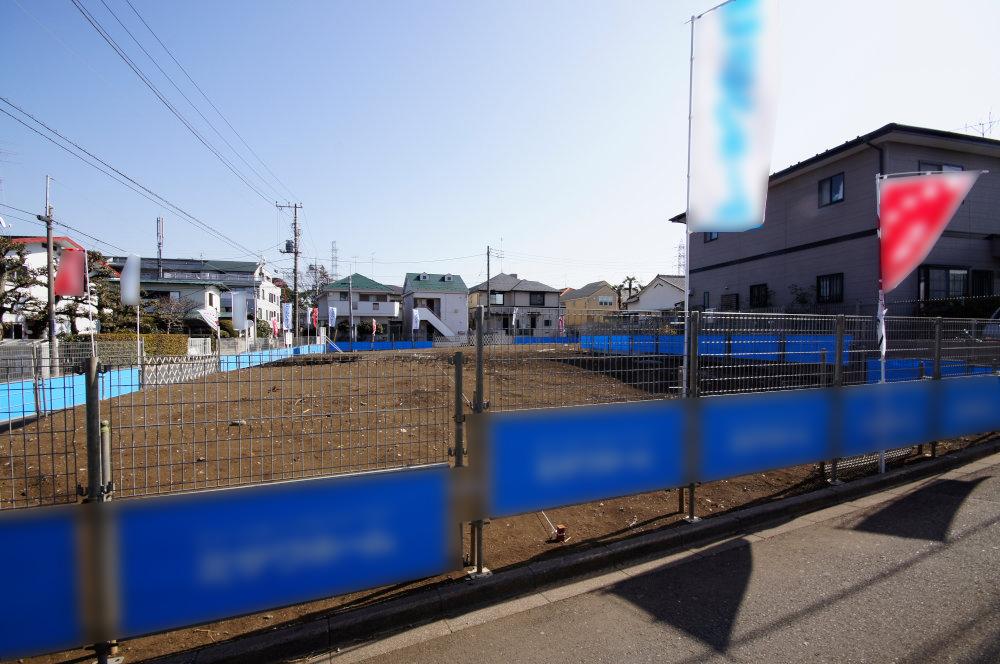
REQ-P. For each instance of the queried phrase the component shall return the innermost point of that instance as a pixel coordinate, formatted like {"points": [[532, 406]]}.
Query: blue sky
{"points": [[418, 131]]}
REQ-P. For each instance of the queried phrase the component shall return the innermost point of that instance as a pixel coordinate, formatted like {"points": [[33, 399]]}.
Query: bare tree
{"points": [[171, 313]]}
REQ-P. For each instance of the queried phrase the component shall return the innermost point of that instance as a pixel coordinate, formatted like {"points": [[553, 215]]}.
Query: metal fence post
{"points": [[95, 466], [838, 377], [478, 405], [938, 328], [459, 411], [694, 392]]}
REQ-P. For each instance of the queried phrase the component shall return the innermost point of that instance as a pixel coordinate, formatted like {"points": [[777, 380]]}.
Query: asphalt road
{"points": [[911, 575]]}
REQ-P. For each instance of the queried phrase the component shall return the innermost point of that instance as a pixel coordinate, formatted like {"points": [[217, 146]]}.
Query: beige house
{"points": [[589, 304]]}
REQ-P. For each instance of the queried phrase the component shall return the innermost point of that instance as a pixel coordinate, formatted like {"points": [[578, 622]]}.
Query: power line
{"points": [[118, 175], [159, 95], [186, 98], [210, 102]]}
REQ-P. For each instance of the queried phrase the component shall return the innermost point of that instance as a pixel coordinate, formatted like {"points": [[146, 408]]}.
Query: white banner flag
{"points": [[331, 316], [734, 88], [239, 301], [416, 319], [210, 316], [129, 284], [286, 316]]}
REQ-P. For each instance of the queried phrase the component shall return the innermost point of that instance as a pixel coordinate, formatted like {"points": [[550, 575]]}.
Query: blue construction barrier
{"points": [[901, 369], [518, 341], [198, 557], [792, 348], [361, 346], [551, 458]]}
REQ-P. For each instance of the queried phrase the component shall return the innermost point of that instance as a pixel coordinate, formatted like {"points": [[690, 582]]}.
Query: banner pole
{"points": [[687, 220], [880, 310]]}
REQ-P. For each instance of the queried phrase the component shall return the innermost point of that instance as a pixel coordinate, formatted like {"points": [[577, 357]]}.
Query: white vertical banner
{"points": [[286, 316], [129, 284], [331, 316], [734, 85], [416, 319], [239, 306]]}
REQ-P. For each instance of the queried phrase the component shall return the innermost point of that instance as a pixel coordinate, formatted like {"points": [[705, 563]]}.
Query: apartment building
{"points": [[818, 248], [440, 301]]}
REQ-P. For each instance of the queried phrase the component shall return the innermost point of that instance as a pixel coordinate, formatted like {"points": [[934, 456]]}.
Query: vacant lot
{"points": [[305, 417]]}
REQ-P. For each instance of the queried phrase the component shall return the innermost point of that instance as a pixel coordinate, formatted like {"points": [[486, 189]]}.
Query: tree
{"points": [[803, 299], [628, 286], [264, 330], [16, 283], [170, 313]]}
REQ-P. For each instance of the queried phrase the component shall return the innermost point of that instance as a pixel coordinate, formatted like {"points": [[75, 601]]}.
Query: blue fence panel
{"points": [[807, 348], [542, 459], [671, 344], [763, 347], [205, 556], [64, 392], [746, 433], [712, 345], [967, 405], [882, 417], [40, 581], [643, 344], [17, 400], [117, 382]]}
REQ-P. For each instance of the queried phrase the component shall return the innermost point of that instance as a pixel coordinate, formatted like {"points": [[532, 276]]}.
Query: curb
{"points": [[448, 599]]}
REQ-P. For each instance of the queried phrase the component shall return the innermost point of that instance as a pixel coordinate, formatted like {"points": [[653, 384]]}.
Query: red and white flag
{"points": [[274, 327], [71, 278], [913, 211]]}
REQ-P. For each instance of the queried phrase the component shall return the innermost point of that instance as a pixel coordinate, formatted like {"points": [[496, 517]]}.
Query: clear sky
{"points": [[419, 131]]}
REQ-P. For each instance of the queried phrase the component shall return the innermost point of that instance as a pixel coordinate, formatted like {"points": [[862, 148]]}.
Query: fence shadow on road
{"points": [[925, 514]]}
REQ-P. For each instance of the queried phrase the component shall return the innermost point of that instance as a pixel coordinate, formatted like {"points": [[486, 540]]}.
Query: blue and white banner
{"points": [[734, 88], [331, 316], [286, 316]]}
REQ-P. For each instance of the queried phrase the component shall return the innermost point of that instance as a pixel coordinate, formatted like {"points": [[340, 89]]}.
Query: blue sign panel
{"points": [[41, 611], [968, 405], [205, 556], [745, 433], [541, 459], [881, 417]]}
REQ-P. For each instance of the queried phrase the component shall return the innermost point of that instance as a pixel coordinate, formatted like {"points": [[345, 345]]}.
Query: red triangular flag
{"points": [[913, 212], [71, 278]]}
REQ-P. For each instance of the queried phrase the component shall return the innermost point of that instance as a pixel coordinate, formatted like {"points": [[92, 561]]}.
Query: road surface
{"points": [[911, 575]]}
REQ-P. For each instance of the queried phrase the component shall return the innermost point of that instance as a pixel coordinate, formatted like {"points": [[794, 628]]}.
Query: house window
{"points": [[374, 306], [709, 237], [730, 302], [831, 190], [759, 296], [175, 296], [211, 299], [939, 282], [706, 300], [605, 300], [363, 297], [830, 288], [548, 323], [343, 297], [931, 167], [536, 299], [982, 283], [496, 298]]}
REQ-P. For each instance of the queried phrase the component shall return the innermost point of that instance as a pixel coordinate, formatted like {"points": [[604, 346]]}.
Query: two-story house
{"points": [[250, 279], [818, 248], [664, 292], [367, 299], [25, 306], [440, 301], [589, 304], [184, 297], [517, 306]]}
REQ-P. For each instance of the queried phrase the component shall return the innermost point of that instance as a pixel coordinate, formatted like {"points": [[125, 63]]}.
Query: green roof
{"points": [[358, 282], [434, 283]]}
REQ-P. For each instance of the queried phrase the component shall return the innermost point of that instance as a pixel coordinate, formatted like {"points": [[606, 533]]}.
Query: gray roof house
{"points": [[518, 306]]}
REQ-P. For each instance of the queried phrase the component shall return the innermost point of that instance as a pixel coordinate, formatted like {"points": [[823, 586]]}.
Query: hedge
{"points": [[153, 344]]}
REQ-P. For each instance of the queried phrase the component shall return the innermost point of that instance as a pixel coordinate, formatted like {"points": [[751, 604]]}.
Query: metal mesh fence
{"points": [[294, 418], [201, 422]]}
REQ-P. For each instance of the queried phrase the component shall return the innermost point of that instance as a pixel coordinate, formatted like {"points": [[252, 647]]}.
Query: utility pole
{"points": [[159, 245], [488, 293], [296, 236], [350, 305], [50, 280]]}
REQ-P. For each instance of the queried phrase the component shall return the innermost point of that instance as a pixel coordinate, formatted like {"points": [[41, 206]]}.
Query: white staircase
{"points": [[428, 315]]}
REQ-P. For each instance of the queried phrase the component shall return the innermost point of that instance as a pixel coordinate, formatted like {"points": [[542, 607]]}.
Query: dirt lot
{"points": [[344, 413]]}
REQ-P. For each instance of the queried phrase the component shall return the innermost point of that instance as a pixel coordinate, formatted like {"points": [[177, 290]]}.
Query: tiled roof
{"points": [[357, 282], [434, 283], [510, 282], [585, 291]]}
